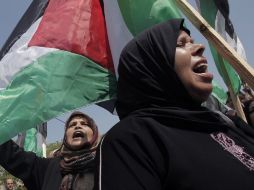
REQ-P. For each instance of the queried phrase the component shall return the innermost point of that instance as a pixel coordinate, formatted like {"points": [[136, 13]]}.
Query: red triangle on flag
{"points": [[77, 26]]}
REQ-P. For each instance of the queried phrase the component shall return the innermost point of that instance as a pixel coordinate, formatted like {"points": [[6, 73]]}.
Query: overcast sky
{"points": [[240, 13]]}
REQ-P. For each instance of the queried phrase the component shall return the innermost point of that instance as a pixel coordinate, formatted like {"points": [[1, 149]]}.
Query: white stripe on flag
{"points": [[20, 55], [234, 43]]}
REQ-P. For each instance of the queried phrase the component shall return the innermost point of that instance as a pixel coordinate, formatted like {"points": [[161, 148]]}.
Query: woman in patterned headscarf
{"points": [[71, 168]]}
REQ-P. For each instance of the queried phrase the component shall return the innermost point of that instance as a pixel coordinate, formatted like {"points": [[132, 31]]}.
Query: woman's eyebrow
{"points": [[72, 123], [84, 122]]}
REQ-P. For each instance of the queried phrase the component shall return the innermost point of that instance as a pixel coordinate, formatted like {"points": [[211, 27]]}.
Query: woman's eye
{"points": [[179, 44], [84, 123], [72, 124]]}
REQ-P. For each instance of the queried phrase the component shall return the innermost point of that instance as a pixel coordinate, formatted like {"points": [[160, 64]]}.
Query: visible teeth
{"points": [[201, 68]]}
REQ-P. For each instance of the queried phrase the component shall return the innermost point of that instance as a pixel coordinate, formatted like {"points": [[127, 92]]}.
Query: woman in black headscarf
{"points": [[165, 138], [72, 166]]}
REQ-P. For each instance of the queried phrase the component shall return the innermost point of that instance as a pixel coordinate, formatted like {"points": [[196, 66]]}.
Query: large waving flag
{"points": [[216, 12], [61, 62]]}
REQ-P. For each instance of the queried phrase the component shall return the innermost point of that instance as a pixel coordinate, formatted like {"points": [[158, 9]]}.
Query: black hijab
{"points": [[146, 71], [148, 85]]}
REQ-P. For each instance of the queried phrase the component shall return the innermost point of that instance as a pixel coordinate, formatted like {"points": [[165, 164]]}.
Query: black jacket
{"points": [[37, 173], [143, 154]]}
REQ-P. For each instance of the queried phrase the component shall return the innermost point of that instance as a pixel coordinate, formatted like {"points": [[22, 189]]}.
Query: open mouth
{"points": [[78, 134], [200, 68]]}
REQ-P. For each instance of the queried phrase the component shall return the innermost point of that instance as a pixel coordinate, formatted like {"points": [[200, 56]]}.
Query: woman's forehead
{"points": [[184, 35], [78, 118]]}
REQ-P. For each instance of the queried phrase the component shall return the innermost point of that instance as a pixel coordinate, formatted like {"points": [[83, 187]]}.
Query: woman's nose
{"points": [[78, 126], [198, 49]]}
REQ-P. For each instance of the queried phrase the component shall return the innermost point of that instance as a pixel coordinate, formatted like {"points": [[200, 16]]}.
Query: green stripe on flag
{"points": [[56, 83], [219, 93], [227, 72], [139, 14]]}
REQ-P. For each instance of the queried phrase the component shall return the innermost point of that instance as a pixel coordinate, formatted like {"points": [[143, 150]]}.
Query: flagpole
{"points": [[227, 52]]}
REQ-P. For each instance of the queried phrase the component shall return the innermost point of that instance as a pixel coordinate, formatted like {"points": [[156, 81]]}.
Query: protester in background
{"points": [[72, 168], [248, 104], [165, 139], [9, 184], [247, 89], [249, 111], [246, 97]]}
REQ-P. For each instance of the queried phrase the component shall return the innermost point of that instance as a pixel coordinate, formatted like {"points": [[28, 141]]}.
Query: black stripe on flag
{"points": [[34, 11], [223, 7]]}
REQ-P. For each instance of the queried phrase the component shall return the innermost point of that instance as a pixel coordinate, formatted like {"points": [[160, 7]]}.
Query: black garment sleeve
{"points": [[130, 158], [24, 165]]}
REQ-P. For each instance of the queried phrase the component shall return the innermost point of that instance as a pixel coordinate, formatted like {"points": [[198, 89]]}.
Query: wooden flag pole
{"points": [[245, 71], [237, 105]]}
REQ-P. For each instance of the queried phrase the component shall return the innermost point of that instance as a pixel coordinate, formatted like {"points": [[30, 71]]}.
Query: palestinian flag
{"points": [[216, 12], [60, 61]]}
